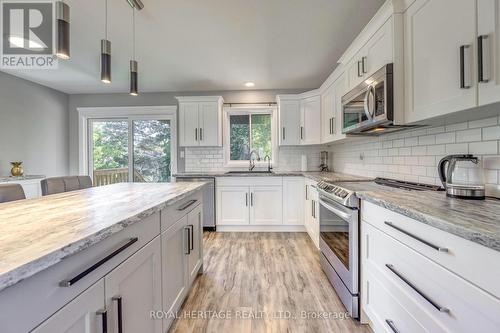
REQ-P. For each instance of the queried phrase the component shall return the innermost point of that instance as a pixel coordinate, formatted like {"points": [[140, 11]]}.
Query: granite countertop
{"points": [[318, 176], [474, 220], [6, 179], [37, 234]]}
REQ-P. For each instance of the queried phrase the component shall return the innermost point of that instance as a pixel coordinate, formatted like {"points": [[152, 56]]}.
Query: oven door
{"points": [[339, 241]]}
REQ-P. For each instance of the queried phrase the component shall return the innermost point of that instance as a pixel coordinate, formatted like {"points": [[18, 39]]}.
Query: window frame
{"points": [[249, 110], [129, 114]]}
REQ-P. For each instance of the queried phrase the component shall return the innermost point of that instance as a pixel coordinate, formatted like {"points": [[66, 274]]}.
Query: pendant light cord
{"points": [[106, 24], [133, 33]]}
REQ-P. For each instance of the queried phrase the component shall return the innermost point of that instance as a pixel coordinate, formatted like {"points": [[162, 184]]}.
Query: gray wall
{"points": [[151, 99], [33, 127]]}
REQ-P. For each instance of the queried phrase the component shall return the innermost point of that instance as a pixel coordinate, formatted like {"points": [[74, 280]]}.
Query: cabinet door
{"points": [[290, 123], [328, 114], [133, 289], [433, 49], [188, 124], [355, 70], [378, 52], [488, 27], [266, 205], [233, 205], [195, 257], [293, 201], [308, 211], [340, 88], [315, 217], [80, 315], [209, 124], [311, 121], [174, 249]]}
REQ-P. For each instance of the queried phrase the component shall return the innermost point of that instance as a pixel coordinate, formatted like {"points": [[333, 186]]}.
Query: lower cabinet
{"points": [[293, 200], [311, 218], [232, 205], [133, 290], [82, 315], [195, 252], [266, 205]]}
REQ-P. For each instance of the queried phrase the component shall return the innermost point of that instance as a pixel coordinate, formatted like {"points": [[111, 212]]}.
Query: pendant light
{"points": [[106, 54], [133, 62], [63, 35]]}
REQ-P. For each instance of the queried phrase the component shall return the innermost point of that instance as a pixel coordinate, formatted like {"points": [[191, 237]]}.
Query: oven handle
{"points": [[346, 216]]}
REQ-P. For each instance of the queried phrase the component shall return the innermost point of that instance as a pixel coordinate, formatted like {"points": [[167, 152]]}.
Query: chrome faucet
{"points": [[269, 167], [252, 162]]}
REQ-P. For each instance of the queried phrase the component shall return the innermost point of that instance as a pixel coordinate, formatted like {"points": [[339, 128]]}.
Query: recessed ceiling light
{"points": [[249, 84]]}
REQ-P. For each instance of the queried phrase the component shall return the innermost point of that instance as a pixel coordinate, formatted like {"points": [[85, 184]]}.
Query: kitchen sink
{"points": [[248, 172]]}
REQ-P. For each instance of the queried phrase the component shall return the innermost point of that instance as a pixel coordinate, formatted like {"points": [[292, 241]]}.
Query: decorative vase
{"points": [[17, 169]]}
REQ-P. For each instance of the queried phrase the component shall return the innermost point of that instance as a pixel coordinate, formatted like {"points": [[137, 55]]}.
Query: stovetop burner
{"points": [[407, 185]]}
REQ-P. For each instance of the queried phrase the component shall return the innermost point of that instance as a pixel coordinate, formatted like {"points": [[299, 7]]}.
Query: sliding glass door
{"points": [[130, 150]]}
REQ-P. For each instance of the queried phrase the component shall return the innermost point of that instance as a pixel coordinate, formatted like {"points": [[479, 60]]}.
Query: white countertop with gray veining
{"points": [[6, 179], [318, 176], [37, 234], [474, 220]]}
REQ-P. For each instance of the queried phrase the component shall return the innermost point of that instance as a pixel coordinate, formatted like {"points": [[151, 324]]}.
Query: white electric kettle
{"points": [[464, 177]]}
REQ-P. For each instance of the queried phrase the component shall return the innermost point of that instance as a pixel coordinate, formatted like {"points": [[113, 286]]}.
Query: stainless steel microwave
{"points": [[369, 107]]}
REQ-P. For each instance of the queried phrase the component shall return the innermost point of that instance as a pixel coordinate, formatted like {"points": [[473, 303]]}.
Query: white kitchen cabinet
{"points": [[133, 289], [174, 249], [195, 256], [266, 205], [331, 110], [437, 34], [489, 62], [200, 121], [311, 218], [289, 118], [233, 205], [310, 120], [293, 200], [81, 315]]}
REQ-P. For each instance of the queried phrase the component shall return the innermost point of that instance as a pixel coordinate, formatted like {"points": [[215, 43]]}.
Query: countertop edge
{"points": [[48, 260], [432, 221]]}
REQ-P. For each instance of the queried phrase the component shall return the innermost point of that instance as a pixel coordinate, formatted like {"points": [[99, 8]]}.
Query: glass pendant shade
{"points": [[63, 32]]}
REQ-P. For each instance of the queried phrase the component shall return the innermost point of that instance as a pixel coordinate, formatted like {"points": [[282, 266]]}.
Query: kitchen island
{"points": [[62, 253]]}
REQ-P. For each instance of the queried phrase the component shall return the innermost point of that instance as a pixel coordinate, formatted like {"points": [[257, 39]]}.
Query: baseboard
{"points": [[261, 228]]}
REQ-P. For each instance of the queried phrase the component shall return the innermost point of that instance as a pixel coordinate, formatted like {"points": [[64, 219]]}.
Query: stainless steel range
{"points": [[339, 233]]}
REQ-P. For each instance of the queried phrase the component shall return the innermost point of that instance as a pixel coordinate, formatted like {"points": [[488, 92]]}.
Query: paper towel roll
{"points": [[304, 163]]}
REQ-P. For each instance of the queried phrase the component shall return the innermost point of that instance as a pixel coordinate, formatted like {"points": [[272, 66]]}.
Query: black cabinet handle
{"points": [[121, 248], [104, 320], [251, 199], [363, 65], [423, 241], [301, 132], [418, 291], [307, 194], [392, 325], [188, 250], [196, 134], [283, 133], [482, 44], [118, 300], [463, 62], [187, 205], [201, 134], [246, 199], [359, 69], [191, 237]]}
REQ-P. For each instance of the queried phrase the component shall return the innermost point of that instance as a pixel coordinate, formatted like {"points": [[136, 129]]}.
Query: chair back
{"points": [[65, 184], [11, 192]]}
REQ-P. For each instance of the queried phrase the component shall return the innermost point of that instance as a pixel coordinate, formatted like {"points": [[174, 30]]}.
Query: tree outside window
{"points": [[250, 132]]}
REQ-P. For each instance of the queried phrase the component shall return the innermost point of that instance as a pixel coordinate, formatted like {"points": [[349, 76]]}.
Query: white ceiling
{"points": [[202, 45]]}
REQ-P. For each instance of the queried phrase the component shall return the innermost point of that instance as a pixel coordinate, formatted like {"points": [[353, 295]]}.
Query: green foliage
{"points": [[240, 136]]}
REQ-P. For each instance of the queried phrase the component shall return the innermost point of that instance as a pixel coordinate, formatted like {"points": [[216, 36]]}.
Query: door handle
{"points": [[246, 199], [359, 69], [201, 134], [251, 199], [118, 300], [283, 133], [104, 319], [391, 324], [191, 237], [363, 65], [302, 132], [307, 194], [188, 250], [196, 134], [465, 82], [187, 205], [483, 58], [72, 281], [423, 241]]}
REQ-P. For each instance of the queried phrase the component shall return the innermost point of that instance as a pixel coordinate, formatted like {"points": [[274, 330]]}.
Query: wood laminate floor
{"points": [[274, 277]]}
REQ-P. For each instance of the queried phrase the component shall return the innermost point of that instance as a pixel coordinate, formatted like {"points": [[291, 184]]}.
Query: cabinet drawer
{"points": [[450, 300], [250, 181], [390, 312], [461, 256], [41, 296], [175, 212]]}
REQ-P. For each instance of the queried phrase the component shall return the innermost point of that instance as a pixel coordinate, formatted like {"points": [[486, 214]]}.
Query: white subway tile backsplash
{"points": [[422, 151]]}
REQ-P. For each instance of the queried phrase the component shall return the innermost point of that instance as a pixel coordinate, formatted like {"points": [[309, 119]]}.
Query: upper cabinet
{"points": [[440, 58], [300, 119], [488, 27], [310, 120], [331, 110], [200, 121]]}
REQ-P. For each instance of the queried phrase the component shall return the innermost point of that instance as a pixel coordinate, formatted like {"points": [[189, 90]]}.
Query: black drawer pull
{"points": [[392, 325], [435, 247], [418, 291], [104, 317], [72, 281], [187, 205], [191, 238]]}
